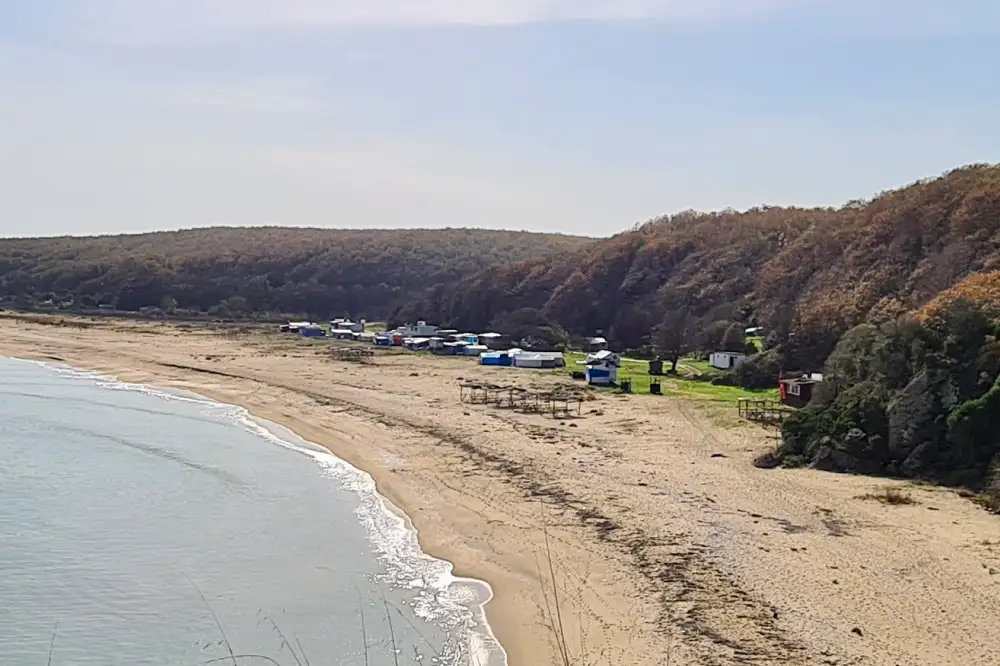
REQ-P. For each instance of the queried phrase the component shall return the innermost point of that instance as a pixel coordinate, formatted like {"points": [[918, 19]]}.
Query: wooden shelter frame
{"points": [[763, 410], [354, 355]]}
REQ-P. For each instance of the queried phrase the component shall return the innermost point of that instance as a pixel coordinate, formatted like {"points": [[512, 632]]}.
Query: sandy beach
{"points": [[639, 534]]}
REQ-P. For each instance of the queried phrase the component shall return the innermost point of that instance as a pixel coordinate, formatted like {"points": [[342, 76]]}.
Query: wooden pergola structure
{"points": [[766, 411], [560, 405], [564, 405], [479, 393], [354, 355]]}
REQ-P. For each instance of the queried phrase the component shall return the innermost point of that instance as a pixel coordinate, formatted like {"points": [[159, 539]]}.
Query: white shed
{"points": [[420, 330], [724, 360]]}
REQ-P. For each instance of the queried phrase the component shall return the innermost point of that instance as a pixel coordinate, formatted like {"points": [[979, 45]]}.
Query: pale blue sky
{"points": [[581, 116]]}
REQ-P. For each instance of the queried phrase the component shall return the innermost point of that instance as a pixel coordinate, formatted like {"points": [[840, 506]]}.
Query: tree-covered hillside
{"points": [[807, 275], [918, 396], [363, 273]]}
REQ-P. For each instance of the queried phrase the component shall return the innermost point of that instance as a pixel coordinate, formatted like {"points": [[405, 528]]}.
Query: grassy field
{"points": [[692, 381]]}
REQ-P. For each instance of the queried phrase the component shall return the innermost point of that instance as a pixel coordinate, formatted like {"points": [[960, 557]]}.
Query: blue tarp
{"points": [[601, 375], [496, 359], [312, 332]]}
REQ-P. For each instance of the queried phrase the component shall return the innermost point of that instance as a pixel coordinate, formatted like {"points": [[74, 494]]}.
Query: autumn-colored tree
{"points": [[324, 272], [807, 275]]}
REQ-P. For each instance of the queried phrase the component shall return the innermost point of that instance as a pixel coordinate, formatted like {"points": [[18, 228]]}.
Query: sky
{"points": [[571, 116]]}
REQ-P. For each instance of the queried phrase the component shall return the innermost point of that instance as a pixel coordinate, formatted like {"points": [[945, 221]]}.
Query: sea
{"points": [[143, 526]]}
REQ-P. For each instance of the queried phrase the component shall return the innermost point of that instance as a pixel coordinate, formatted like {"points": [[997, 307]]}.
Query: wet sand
{"points": [[641, 528]]}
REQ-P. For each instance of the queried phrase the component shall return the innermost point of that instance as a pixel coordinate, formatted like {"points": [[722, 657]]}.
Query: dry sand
{"points": [[667, 545]]}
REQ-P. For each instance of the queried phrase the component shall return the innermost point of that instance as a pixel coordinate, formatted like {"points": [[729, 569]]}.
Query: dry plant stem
{"points": [[218, 624], [555, 598], [392, 634], [416, 629], [284, 639], [364, 630], [52, 642], [549, 615], [302, 650], [234, 657]]}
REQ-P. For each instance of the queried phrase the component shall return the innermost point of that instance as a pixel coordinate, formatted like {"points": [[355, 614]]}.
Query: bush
{"points": [[794, 461], [891, 495], [760, 371], [991, 493], [974, 429]]}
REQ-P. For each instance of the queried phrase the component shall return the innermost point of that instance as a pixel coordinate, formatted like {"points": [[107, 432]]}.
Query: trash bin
{"points": [[654, 389], [626, 386], [656, 367]]}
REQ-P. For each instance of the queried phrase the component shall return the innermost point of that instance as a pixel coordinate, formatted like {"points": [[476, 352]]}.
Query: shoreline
{"points": [[483, 647], [664, 539]]}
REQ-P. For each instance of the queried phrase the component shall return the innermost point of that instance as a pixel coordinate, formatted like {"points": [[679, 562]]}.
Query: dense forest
{"points": [[918, 396], [317, 272], [806, 275]]}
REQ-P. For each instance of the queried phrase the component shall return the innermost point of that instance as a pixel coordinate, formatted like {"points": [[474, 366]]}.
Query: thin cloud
{"points": [[291, 96], [169, 21], [153, 20]]}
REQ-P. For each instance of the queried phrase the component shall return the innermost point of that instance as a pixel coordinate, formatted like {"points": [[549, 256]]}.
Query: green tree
{"points": [[221, 310], [531, 328], [710, 337], [734, 339], [236, 304]]}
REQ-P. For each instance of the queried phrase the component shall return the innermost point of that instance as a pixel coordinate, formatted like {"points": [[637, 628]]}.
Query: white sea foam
{"points": [[451, 602]]}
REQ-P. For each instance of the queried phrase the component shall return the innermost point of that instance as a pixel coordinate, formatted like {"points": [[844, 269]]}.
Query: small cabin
{"points": [[597, 344], [450, 348], [539, 360], [723, 360], [798, 391], [420, 330], [347, 325], [602, 368], [496, 341], [417, 344]]}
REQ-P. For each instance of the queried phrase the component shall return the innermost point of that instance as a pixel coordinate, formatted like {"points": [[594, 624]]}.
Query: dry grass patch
{"points": [[890, 495]]}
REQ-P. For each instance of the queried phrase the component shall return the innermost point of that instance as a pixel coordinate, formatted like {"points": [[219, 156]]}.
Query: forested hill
{"points": [[362, 273], [809, 275]]}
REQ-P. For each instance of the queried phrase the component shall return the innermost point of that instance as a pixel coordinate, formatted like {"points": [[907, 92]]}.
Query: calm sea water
{"points": [[134, 523]]}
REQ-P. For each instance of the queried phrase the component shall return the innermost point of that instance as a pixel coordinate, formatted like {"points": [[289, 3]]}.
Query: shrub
{"points": [[891, 495], [794, 461], [760, 371]]}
